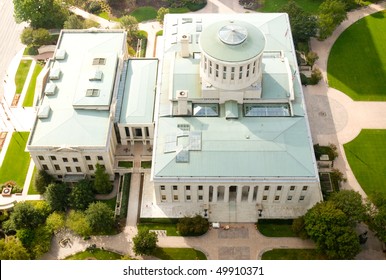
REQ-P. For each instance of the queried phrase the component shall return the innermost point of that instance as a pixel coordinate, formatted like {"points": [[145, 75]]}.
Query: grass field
{"points": [[31, 189], [21, 74], [16, 160], [171, 229], [292, 254], [276, 228], [179, 254], [366, 156], [29, 98], [144, 13], [357, 61], [126, 164], [96, 254], [310, 6]]}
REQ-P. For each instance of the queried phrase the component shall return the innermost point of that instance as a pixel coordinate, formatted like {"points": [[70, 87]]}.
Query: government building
{"points": [[221, 109]]}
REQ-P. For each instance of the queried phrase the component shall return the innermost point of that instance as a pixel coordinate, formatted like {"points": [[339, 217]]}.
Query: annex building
{"points": [[221, 110]]}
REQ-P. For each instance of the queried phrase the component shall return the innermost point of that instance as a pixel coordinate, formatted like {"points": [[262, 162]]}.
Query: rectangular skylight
{"points": [[267, 110], [92, 92], [205, 110], [99, 61]]}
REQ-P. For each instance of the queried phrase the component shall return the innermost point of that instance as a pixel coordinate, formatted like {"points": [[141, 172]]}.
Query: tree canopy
{"points": [[77, 222], [42, 178], [145, 242], [100, 217], [161, 14], [25, 216], [303, 25], [12, 249], [102, 182], [81, 195], [40, 14], [331, 14], [56, 196], [196, 225], [350, 203]]}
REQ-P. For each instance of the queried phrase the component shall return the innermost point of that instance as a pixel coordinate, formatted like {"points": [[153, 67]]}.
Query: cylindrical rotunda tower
{"points": [[231, 54]]}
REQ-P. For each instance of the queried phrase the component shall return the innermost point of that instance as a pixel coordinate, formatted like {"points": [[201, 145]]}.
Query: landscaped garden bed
{"points": [[293, 254], [275, 228]]}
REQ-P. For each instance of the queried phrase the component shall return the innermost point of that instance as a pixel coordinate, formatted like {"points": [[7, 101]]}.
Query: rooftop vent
{"points": [[50, 89], [96, 75], [55, 74], [60, 54], [99, 61], [44, 111], [92, 92], [233, 34], [185, 38]]}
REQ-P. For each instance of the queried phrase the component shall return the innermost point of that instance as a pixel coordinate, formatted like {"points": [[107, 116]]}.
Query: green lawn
{"points": [[171, 229], [310, 6], [31, 188], [125, 195], [276, 228], [97, 254], [21, 74], [104, 15], [366, 156], [179, 254], [357, 61], [292, 254], [29, 98], [144, 13], [16, 160], [146, 164], [126, 164]]}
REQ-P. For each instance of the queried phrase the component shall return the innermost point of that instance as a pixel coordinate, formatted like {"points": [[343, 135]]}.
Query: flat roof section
{"points": [[66, 125], [139, 92]]}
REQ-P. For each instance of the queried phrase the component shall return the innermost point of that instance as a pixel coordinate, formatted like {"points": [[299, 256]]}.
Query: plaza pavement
{"points": [[334, 118]]}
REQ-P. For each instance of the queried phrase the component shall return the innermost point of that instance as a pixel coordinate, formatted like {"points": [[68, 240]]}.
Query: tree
{"points": [[41, 37], [56, 196], [350, 202], [102, 182], [40, 14], [145, 242], [73, 22], [77, 222], [330, 228], [130, 24], [316, 76], [12, 249], [26, 38], [161, 14], [303, 25], [100, 217], [298, 227], [42, 180], [55, 221], [331, 14], [25, 216], [196, 225], [42, 241], [81, 195]]}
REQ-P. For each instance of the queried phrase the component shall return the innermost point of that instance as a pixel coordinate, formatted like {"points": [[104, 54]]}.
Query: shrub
{"points": [[303, 79], [299, 228], [192, 226], [316, 76], [94, 7], [42, 180]]}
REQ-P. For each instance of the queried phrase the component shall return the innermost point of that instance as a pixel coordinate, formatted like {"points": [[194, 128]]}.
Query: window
{"points": [[78, 169], [103, 166], [87, 157], [127, 131], [65, 159], [289, 197], [174, 188], [162, 188], [187, 188], [40, 157], [277, 197], [45, 167], [163, 198], [68, 169], [92, 92], [200, 188], [99, 157], [266, 188], [200, 198], [279, 188], [60, 176], [305, 188], [265, 197], [57, 167], [147, 132], [138, 132], [74, 159], [53, 157], [188, 198], [292, 188], [301, 197], [175, 197], [90, 167]]}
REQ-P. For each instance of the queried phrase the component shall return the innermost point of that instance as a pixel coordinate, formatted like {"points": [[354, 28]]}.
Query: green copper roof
{"points": [[232, 41]]}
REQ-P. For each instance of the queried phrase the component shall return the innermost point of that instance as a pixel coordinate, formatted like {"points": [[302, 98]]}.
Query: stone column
{"points": [[214, 198], [226, 194], [239, 192], [250, 193]]}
